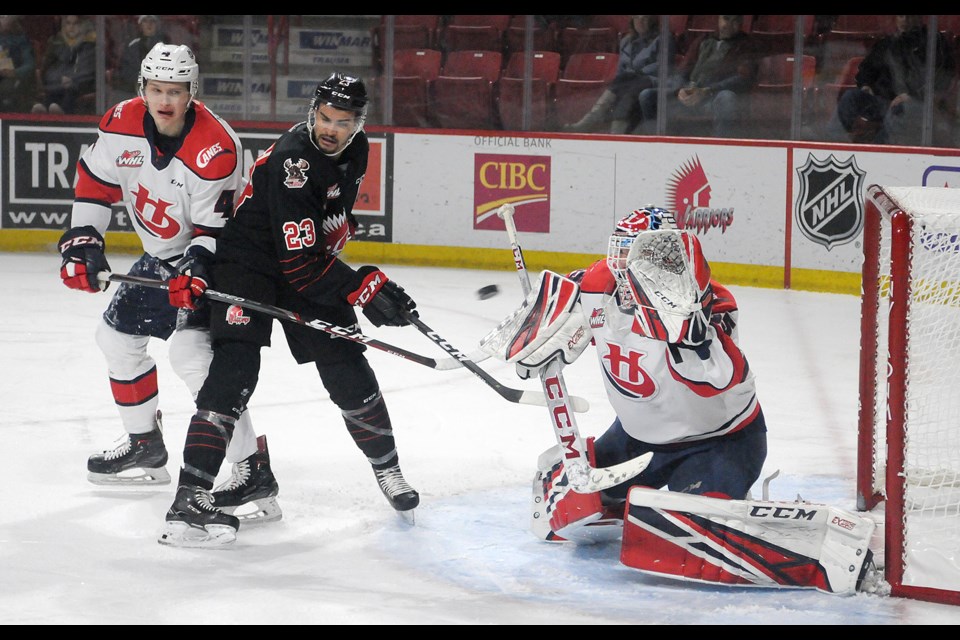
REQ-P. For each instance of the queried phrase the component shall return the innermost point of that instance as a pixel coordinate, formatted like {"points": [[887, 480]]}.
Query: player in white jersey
{"points": [[666, 340], [177, 168]]}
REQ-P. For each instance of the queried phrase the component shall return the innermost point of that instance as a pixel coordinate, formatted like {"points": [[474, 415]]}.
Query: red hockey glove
{"points": [[83, 258], [383, 301], [187, 288]]}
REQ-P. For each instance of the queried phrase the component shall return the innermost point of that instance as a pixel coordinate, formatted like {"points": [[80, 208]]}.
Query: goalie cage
{"points": [[909, 423]]}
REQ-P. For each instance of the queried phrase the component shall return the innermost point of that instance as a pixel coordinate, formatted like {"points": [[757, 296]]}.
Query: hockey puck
{"points": [[488, 291]]}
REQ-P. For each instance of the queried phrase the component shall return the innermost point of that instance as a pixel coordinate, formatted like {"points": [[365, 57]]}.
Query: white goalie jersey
{"points": [[174, 196], [663, 393]]}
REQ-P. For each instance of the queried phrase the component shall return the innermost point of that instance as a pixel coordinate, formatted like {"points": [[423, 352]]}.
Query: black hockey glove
{"points": [[83, 258], [186, 289], [383, 301]]}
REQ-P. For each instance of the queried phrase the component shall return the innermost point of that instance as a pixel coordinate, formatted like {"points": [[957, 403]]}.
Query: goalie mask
{"points": [[648, 218], [169, 63], [669, 280], [343, 92]]}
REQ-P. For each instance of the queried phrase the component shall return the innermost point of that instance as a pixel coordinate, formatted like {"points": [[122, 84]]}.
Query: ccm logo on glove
{"points": [[372, 283]]}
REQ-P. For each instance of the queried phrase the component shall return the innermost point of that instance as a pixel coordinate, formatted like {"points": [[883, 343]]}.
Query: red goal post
{"points": [[908, 457]]}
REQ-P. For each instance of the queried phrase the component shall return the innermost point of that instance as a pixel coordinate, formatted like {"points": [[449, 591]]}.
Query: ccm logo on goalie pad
{"points": [[694, 547]]}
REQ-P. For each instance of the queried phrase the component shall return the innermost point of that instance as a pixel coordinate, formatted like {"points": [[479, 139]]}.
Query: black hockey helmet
{"points": [[342, 92]]}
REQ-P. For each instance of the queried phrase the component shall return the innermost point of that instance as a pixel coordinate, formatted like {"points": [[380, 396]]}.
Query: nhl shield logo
{"points": [[830, 205]]}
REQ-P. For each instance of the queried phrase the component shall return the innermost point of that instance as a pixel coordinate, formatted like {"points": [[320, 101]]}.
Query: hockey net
{"points": [[909, 424]]}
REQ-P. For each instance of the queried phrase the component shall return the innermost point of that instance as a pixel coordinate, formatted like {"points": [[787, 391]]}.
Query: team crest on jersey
{"points": [[598, 318], [296, 173], [622, 368], [130, 159], [830, 206], [235, 315], [336, 232], [155, 215]]}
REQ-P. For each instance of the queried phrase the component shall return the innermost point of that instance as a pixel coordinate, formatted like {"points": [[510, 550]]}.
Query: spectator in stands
{"points": [[17, 66], [637, 69], [125, 77], [68, 70], [887, 104], [714, 79]]}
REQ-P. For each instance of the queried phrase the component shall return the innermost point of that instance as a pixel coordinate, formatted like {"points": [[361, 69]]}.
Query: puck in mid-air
{"points": [[488, 291]]}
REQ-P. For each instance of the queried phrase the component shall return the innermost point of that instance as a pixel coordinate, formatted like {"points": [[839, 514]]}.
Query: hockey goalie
{"points": [[665, 335]]}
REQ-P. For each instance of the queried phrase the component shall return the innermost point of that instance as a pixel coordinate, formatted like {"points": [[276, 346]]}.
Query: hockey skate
{"points": [[136, 459], [399, 494], [250, 493], [192, 521]]}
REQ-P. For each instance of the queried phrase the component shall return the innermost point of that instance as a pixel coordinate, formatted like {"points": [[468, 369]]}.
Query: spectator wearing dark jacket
{"points": [[68, 70], [887, 104], [127, 74], [17, 66], [637, 69], [714, 79]]}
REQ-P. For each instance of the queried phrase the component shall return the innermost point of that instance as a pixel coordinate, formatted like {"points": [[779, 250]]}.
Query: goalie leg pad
{"points": [[560, 514], [745, 542]]}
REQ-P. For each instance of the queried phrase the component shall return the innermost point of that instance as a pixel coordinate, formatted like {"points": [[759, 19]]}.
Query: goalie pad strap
{"points": [[745, 542]]}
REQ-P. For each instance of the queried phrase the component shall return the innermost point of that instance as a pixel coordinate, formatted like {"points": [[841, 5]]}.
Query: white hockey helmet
{"points": [[646, 218], [170, 63]]}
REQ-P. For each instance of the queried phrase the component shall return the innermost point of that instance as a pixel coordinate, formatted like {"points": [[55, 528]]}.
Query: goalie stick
{"points": [[457, 361], [582, 476]]}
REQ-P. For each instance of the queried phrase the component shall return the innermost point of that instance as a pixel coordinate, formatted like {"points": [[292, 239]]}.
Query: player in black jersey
{"points": [[292, 220]]}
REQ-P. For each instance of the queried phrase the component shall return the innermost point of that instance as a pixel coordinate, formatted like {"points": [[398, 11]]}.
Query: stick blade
{"points": [[602, 478]]}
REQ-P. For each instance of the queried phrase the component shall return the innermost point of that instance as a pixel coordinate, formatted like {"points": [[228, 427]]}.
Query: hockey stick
{"points": [[283, 314], [513, 395], [583, 477], [458, 360]]}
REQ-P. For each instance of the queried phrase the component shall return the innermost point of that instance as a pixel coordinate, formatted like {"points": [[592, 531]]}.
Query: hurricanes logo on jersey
{"points": [[622, 369], [151, 215], [130, 159], [208, 154], [296, 173]]}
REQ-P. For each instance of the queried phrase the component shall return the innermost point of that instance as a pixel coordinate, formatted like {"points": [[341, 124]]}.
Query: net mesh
{"points": [[931, 446]]}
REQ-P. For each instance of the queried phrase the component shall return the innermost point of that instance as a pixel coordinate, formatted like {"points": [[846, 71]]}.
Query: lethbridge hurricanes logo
{"points": [[523, 181], [830, 205]]}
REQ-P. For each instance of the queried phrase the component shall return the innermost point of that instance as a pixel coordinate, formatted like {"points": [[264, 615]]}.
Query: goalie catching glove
{"points": [[669, 281], [188, 286], [382, 300], [82, 251], [548, 324]]}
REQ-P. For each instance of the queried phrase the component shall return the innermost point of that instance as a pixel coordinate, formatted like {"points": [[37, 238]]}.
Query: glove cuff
{"points": [[371, 281], [86, 235]]}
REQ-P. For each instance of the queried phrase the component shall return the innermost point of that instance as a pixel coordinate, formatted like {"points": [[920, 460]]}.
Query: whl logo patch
{"points": [[830, 206]]}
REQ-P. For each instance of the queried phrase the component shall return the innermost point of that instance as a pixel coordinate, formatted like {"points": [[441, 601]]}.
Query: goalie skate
{"points": [[250, 493], [136, 459], [193, 522]]}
